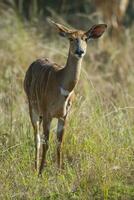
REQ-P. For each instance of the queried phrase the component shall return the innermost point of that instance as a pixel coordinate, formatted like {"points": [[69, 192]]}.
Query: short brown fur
{"points": [[50, 90]]}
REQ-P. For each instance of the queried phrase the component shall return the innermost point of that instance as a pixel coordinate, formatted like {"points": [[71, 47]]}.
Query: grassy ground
{"points": [[99, 140]]}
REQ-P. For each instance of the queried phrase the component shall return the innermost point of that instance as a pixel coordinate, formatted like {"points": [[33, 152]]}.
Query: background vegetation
{"points": [[99, 141]]}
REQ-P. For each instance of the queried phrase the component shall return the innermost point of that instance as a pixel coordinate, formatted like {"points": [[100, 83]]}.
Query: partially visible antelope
{"points": [[50, 88], [112, 11]]}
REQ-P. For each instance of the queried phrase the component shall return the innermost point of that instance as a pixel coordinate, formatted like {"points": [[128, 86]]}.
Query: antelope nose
{"points": [[79, 52]]}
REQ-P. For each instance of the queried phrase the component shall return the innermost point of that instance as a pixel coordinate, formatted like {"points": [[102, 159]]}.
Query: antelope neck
{"points": [[71, 72]]}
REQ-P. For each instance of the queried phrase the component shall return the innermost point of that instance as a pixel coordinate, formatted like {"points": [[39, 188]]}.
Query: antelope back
{"points": [[37, 81]]}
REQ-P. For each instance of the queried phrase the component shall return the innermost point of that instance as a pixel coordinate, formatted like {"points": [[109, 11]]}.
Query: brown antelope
{"points": [[112, 11], [50, 87]]}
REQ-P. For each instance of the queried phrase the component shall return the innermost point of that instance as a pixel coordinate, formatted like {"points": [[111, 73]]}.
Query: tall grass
{"points": [[99, 140]]}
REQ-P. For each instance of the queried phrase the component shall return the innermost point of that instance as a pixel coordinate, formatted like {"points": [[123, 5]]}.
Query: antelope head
{"points": [[78, 38]]}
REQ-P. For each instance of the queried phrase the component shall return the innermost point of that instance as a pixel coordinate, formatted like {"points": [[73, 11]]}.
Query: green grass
{"points": [[99, 140]]}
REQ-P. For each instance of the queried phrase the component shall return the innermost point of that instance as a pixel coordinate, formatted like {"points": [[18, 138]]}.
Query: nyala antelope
{"points": [[50, 90], [112, 11]]}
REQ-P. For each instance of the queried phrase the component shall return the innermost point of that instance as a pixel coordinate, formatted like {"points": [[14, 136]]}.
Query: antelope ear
{"points": [[96, 31], [63, 31]]}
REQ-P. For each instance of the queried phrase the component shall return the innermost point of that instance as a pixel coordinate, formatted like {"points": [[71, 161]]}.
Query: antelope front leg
{"points": [[42, 146], [60, 134]]}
